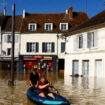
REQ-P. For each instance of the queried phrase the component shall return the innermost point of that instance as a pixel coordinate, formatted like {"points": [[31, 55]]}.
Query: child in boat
{"points": [[43, 88]]}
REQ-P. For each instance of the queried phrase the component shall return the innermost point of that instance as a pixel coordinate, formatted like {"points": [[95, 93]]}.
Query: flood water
{"points": [[79, 91]]}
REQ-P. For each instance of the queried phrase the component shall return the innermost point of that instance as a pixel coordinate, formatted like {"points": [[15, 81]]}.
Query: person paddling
{"points": [[43, 88], [34, 78]]}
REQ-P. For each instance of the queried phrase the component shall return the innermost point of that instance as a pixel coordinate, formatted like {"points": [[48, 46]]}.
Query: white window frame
{"points": [[66, 26], [48, 24], [79, 44], [34, 25]]}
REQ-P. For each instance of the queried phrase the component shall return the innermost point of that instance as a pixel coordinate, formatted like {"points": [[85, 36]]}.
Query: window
{"points": [[48, 26], [32, 26], [32, 47], [9, 38], [8, 51], [63, 26], [91, 40], [80, 40], [62, 47], [48, 47]]}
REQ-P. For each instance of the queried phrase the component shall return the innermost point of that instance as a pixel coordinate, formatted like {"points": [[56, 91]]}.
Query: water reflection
{"points": [[79, 90]]}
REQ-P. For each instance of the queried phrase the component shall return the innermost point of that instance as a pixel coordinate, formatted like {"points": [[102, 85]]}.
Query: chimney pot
{"points": [[4, 12], [24, 14], [70, 12]]}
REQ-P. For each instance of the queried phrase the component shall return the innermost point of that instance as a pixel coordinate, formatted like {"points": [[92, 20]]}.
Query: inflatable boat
{"points": [[59, 100]]}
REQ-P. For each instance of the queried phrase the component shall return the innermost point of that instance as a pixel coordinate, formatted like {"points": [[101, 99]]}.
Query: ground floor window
{"points": [[85, 67], [99, 71], [61, 63], [75, 67]]}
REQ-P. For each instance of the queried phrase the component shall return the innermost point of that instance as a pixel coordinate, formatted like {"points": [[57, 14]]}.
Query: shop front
{"points": [[45, 63], [5, 63]]}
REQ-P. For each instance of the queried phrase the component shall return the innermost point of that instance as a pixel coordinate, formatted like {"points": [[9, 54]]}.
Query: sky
{"points": [[92, 7]]}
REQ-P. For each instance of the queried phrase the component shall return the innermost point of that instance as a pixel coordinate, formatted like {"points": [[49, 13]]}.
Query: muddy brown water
{"points": [[79, 91]]}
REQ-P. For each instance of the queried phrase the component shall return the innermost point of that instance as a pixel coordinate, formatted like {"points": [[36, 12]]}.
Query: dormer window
{"points": [[48, 26], [64, 26], [32, 26]]}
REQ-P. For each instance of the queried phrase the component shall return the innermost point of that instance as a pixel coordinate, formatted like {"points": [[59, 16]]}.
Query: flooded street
{"points": [[80, 91]]}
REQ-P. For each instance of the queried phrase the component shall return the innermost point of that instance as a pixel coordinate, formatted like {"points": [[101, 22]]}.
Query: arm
{"points": [[44, 86]]}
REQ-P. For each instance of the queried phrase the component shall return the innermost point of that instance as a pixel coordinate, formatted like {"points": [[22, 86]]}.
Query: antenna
{"points": [[3, 5], [86, 6]]}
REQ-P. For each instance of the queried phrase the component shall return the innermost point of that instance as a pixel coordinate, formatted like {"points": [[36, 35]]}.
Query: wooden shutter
{"points": [[53, 47], [95, 39], [37, 47], [88, 40]]}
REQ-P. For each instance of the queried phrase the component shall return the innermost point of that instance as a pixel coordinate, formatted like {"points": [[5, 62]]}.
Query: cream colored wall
{"points": [[6, 45], [39, 37], [91, 54]]}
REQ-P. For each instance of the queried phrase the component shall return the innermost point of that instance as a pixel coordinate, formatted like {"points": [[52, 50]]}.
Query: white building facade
{"points": [[86, 50]]}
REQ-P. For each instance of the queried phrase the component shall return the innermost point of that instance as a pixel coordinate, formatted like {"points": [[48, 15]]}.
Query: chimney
{"points": [[70, 12], [66, 11], [24, 14], [4, 11]]}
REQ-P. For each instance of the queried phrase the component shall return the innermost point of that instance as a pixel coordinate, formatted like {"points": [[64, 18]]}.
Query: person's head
{"points": [[34, 71], [42, 79]]}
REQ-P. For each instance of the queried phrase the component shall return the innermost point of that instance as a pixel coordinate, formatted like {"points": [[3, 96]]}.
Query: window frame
{"points": [[33, 24], [79, 41], [66, 26], [34, 47], [49, 29], [48, 47]]}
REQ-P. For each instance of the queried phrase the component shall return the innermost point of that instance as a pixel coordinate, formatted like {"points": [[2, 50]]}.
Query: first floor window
{"points": [[92, 40], [48, 47], [62, 47], [80, 39], [32, 47], [8, 51]]}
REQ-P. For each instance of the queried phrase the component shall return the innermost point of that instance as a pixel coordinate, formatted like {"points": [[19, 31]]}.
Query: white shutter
{"points": [[75, 38], [16, 38], [95, 39], [5, 38]]}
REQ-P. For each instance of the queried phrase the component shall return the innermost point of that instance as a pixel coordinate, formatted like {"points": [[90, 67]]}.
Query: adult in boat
{"points": [[34, 78], [44, 88]]}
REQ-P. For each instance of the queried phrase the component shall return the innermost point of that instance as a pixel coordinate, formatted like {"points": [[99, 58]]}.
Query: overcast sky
{"points": [[52, 6]]}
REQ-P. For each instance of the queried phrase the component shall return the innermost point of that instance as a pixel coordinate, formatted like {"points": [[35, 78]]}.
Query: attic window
{"points": [[64, 26], [48, 26], [32, 26]]}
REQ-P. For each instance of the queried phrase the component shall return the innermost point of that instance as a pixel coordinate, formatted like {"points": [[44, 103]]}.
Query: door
{"points": [[75, 67], [85, 68], [99, 69]]}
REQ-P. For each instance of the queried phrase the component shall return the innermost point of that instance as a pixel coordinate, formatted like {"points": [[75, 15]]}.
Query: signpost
{"points": [[11, 81]]}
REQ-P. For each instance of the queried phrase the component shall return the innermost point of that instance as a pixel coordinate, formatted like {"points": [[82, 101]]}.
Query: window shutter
{"points": [[37, 47], [95, 39], [53, 47], [5, 38], [76, 42], [16, 38], [43, 45], [88, 40]]}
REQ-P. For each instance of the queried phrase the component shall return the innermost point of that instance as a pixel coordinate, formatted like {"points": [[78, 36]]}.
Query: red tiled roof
{"points": [[55, 18], [7, 24], [41, 19], [96, 21]]}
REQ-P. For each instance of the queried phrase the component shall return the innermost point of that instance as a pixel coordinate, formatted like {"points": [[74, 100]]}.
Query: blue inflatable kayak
{"points": [[33, 95]]}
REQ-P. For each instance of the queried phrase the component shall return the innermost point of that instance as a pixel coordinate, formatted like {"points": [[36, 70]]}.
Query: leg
{"points": [[42, 94], [51, 95]]}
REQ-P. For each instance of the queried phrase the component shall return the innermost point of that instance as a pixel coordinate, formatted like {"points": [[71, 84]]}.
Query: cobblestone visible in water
{"points": [[80, 91]]}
